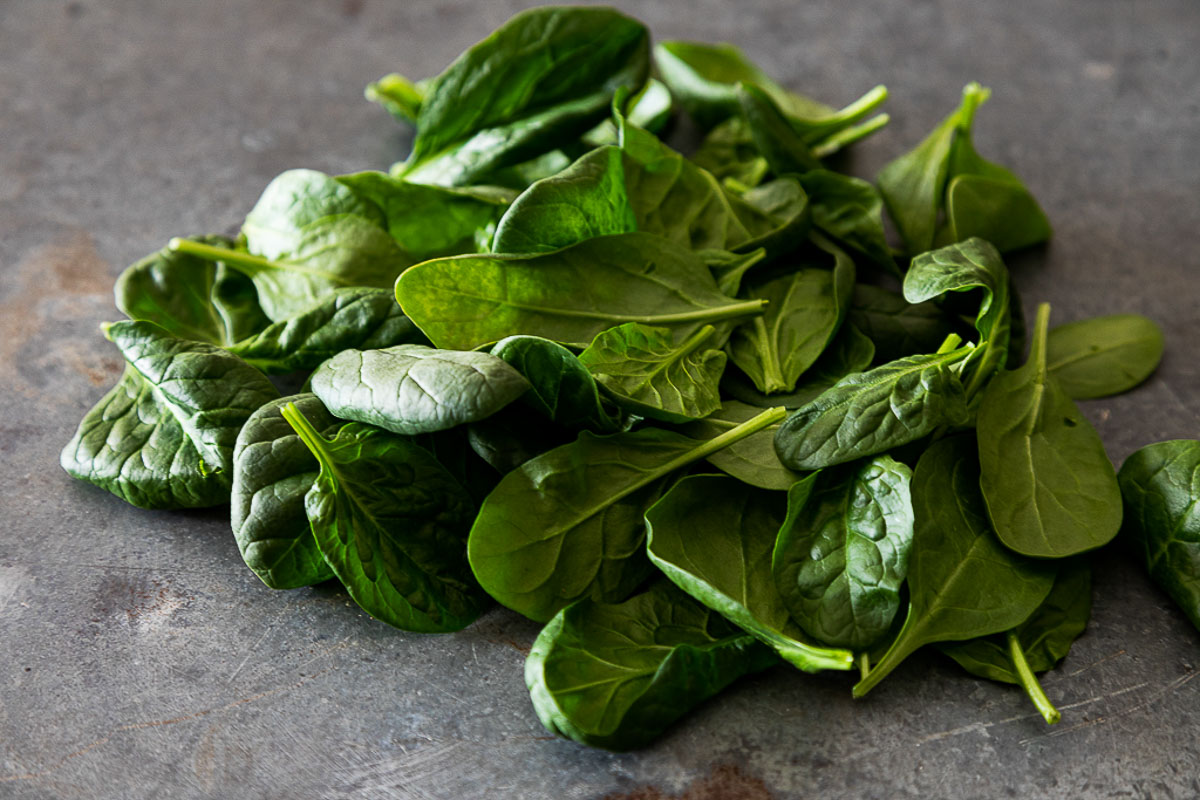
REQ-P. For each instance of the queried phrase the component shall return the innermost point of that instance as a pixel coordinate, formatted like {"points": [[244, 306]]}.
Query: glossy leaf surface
{"points": [[1103, 356]]}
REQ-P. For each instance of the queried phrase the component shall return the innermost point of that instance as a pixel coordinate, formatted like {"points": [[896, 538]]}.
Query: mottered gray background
{"points": [[140, 658]]}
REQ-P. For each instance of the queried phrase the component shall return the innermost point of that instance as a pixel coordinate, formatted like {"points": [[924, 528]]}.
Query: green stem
{"points": [[743, 309], [311, 437], [752, 425], [772, 372], [1028, 680], [951, 343], [906, 641], [864, 665], [1037, 350], [210, 253], [849, 136], [850, 114]]}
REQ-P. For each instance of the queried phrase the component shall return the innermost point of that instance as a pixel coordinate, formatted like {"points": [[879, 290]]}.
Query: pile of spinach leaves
{"points": [[667, 405]]}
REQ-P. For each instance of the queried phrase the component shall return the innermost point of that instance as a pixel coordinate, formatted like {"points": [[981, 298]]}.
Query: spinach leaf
{"points": [[871, 412], [272, 472], [294, 201], [1037, 644], [843, 550], [561, 388], [567, 296], [391, 522], [729, 268], [804, 311], [163, 437], [568, 524], [1103, 356], [432, 221], [729, 153], [190, 297], [896, 327], [1050, 488], [751, 460], [585, 200], [413, 389], [616, 676], [962, 582], [964, 267], [1160, 485], [513, 435], [944, 173], [649, 108], [542, 79], [646, 373], [713, 536], [366, 319], [849, 210]]}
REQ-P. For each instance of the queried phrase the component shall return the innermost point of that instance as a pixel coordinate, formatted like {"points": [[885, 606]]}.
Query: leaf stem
{"points": [[772, 372], [951, 343], [210, 253], [752, 425], [1029, 681], [311, 437], [864, 664], [843, 138], [1037, 350], [744, 309]]}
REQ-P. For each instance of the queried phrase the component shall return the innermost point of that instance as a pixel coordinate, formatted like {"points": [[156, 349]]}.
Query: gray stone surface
{"points": [[142, 659]]}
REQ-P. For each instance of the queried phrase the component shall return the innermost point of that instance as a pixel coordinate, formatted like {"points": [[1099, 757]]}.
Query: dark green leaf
{"points": [[567, 296], [413, 389], [713, 536], [896, 327], [615, 676], [1050, 488], [272, 472], [751, 460], [1103, 356], [871, 412], [365, 319], [851, 211], [729, 153], [562, 389], [191, 297], [962, 582], [843, 551], [646, 373], [1160, 485], [164, 436], [392, 524]]}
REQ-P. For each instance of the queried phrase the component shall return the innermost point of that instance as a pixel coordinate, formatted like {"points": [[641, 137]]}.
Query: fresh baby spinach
{"points": [[751, 460], [1103, 356]]}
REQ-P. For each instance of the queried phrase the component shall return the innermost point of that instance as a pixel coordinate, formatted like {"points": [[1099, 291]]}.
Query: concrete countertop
{"points": [[142, 659]]}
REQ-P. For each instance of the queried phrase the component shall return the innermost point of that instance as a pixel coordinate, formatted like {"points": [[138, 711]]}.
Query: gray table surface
{"points": [[141, 658]]}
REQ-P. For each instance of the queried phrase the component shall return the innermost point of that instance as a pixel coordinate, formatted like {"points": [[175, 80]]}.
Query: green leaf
{"points": [[272, 472], [729, 153], [1050, 488], [190, 297], [586, 200], [365, 319], [413, 389], [751, 460], [568, 524], [842, 552], [944, 173], [650, 109], [1103, 356], [713, 536], [399, 96], [1160, 485], [646, 373], [849, 210], [561, 388], [804, 311], [567, 296], [432, 221], [616, 676], [391, 522], [871, 412], [772, 133], [964, 267], [164, 436], [962, 582], [896, 327], [540, 80], [296, 200]]}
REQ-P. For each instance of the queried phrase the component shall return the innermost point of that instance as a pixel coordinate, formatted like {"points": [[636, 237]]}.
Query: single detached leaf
{"points": [[804, 311], [1103, 356], [568, 524], [962, 582], [561, 388], [190, 297], [567, 296], [540, 80], [646, 373], [391, 522], [842, 552], [751, 460], [871, 412], [615, 676], [272, 472], [1050, 489], [164, 436], [896, 327], [713, 536], [364, 319], [964, 267], [413, 389], [1160, 485]]}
